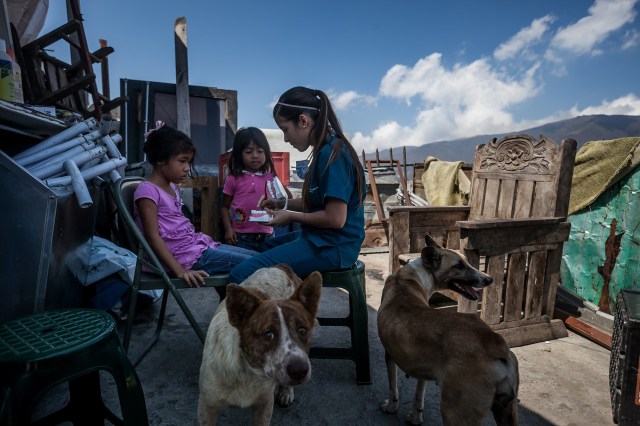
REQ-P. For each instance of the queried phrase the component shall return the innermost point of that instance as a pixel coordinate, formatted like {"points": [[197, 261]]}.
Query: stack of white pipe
{"points": [[75, 156]]}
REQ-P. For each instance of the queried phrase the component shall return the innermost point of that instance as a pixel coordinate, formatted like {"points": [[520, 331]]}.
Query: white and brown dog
{"points": [[473, 366], [258, 344]]}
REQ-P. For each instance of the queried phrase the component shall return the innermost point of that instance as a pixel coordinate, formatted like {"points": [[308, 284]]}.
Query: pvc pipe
{"points": [[108, 125], [78, 183], [79, 159], [85, 126], [48, 152], [113, 174], [89, 174], [110, 142], [63, 156]]}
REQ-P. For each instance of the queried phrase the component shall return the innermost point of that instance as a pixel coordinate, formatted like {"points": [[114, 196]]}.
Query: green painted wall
{"points": [[585, 250]]}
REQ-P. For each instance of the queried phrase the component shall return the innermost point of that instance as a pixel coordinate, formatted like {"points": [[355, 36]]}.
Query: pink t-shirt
{"points": [[178, 233], [246, 190]]}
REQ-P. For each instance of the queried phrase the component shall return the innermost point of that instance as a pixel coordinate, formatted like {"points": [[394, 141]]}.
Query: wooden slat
{"points": [[490, 205], [535, 284], [524, 192], [507, 199], [492, 296], [514, 293]]}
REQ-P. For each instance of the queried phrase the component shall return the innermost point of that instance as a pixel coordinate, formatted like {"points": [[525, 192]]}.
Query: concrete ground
{"points": [[562, 382]]}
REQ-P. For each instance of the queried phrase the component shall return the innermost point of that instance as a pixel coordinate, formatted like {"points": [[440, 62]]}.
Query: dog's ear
{"points": [[430, 242], [308, 292], [292, 275], [431, 258], [241, 304]]}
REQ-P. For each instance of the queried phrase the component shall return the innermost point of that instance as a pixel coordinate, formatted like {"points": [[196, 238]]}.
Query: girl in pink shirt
{"points": [[250, 167], [186, 254]]}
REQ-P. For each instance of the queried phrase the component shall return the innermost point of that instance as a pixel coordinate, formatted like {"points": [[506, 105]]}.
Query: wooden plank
{"points": [[398, 238], [528, 334], [514, 293], [208, 188], [492, 296], [182, 76], [507, 199], [524, 191], [585, 330], [490, 202], [535, 284]]}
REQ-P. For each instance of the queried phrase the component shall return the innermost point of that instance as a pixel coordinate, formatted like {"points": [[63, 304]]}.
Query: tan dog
{"points": [[258, 344], [473, 366]]}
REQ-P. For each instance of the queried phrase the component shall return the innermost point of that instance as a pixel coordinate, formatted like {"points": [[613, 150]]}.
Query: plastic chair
{"points": [[353, 281], [42, 350], [132, 239]]}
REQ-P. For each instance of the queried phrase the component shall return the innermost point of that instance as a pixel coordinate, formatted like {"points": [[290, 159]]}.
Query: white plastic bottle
{"points": [[7, 91]]}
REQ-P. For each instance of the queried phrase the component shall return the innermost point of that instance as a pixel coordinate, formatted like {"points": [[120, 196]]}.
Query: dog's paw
{"points": [[415, 418], [389, 406], [284, 396]]}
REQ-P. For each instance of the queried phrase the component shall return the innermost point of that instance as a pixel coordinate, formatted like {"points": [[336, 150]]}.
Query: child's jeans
{"points": [[252, 240], [221, 260]]}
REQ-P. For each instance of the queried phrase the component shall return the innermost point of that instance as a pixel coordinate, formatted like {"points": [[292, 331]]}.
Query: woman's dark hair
{"points": [[316, 105], [165, 142], [241, 140]]}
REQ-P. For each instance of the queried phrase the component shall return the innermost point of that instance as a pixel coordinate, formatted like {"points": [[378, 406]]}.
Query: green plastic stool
{"points": [[71, 345], [353, 281]]}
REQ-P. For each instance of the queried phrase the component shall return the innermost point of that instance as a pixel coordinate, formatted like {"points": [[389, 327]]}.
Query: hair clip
{"points": [[159, 124]]}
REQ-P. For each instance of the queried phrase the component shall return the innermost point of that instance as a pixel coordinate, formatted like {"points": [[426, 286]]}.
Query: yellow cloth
{"points": [[445, 184], [600, 164]]}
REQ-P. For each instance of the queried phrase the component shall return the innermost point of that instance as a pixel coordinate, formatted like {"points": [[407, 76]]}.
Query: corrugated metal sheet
{"points": [[601, 257]]}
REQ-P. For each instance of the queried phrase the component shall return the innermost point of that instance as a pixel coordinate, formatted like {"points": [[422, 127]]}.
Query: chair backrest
{"points": [[123, 191], [521, 177]]}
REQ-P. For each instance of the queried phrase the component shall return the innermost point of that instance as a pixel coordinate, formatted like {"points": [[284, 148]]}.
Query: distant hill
{"points": [[583, 129]]}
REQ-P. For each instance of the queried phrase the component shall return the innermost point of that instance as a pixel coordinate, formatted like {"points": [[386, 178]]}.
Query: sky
{"points": [[398, 73]]}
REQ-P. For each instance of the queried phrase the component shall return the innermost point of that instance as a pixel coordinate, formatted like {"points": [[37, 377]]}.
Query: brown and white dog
{"points": [[258, 344], [473, 366]]}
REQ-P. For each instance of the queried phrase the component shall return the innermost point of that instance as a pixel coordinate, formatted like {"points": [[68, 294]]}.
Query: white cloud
{"points": [[630, 39], [519, 43], [466, 100], [583, 37], [344, 100], [625, 105]]}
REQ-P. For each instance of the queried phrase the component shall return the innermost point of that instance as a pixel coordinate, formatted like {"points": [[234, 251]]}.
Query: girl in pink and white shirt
{"points": [[250, 167]]}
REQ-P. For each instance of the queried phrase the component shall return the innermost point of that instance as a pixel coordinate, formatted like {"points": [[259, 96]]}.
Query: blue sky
{"points": [[407, 72]]}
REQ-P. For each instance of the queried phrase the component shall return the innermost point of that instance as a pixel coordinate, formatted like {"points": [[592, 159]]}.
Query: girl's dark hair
{"points": [[241, 140], [316, 105], [165, 142]]}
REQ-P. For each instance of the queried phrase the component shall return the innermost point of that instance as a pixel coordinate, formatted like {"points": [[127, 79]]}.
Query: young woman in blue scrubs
{"points": [[331, 209]]}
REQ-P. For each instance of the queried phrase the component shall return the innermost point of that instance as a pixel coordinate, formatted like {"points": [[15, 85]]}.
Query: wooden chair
{"points": [[132, 238], [515, 232]]}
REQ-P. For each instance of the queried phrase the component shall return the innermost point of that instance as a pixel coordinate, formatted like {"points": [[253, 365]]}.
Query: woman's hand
{"points": [[279, 217], [193, 278], [272, 203]]}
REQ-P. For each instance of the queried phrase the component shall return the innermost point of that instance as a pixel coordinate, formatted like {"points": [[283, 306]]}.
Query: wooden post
{"points": [[104, 68], [182, 76]]}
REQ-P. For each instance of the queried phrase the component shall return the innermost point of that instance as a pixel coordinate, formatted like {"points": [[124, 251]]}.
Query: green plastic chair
{"points": [[41, 350], [353, 281], [133, 239]]}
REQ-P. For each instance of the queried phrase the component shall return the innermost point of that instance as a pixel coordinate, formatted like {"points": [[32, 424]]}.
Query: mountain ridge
{"points": [[583, 129]]}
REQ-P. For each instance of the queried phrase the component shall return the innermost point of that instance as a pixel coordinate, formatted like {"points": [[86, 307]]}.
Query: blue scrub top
{"points": [[338, 180]]}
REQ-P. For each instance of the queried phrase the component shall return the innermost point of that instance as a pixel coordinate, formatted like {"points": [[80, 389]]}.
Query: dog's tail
{"points": [[505, 403]]}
